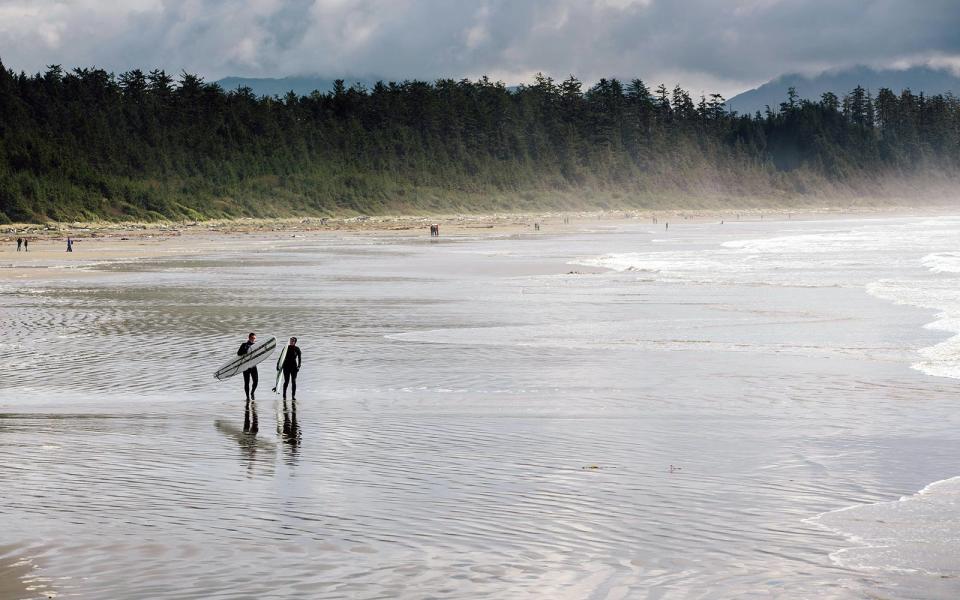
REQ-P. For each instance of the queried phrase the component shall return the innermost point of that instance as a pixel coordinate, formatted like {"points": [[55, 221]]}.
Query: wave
{"points": [[942, 262], [938, 294], [916, 534], [852, 256]]}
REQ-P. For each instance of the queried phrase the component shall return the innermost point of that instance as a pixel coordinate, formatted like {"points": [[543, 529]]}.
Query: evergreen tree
{"points": [[87, 144]]}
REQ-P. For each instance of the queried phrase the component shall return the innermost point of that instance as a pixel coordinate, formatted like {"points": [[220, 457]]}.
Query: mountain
{"points": [[302, 86], [919, 79]]}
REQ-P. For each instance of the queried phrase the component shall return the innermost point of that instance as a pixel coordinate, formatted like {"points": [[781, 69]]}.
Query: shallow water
{"points": [[476, 421]]}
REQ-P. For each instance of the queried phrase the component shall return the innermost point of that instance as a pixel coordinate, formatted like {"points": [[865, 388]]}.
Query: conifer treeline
{"points": [[88, 144]]}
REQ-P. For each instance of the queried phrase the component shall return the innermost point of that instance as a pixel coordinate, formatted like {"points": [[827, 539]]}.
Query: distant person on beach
{"points": [[251, 374], [19, 243], [434, 230], [69, 245], [26, 245], [290, 366]]}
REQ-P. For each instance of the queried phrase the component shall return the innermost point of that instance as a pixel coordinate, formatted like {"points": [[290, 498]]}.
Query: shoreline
{"points": [[113, 242]]}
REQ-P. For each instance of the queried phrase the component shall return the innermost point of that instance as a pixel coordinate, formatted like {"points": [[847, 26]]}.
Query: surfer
{"points": [[290, 366], [250, 375]]}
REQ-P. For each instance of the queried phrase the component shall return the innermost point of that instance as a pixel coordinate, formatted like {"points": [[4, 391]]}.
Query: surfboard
{"points": [[283, 355], [257, 353]]}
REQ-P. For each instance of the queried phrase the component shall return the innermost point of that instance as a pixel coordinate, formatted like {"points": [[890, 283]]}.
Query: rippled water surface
{"points": [[491, 418]]}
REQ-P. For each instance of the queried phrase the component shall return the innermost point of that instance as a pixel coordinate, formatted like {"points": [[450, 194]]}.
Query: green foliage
{"points": [[87, 144]]}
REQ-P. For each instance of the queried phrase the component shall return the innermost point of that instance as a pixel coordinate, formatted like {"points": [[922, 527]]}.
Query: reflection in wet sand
{"points": [[256, 451], [290, 429]]}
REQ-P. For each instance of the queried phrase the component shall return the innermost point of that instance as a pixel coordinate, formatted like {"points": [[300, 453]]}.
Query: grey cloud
{"points": [[717, 45]]}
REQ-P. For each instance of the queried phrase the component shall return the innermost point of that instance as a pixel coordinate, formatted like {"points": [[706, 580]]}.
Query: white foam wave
{"points": [[811, 243], [942, 262], [941, 295], [663, 262], [854, 255], [826, 257], [915, 534]]}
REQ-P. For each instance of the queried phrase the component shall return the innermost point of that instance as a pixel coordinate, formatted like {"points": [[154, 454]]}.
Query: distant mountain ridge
{"points": [[928, 80]]}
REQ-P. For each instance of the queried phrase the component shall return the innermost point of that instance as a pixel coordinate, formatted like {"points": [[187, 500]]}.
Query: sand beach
{"points": [[608, 408]]}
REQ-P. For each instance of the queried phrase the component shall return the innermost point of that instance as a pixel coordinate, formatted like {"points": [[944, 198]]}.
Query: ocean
{"points": [[747, 409]]}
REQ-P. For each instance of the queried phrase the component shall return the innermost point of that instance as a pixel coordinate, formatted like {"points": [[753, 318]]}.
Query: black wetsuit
{"points": [[290, 366], [250, 374]]}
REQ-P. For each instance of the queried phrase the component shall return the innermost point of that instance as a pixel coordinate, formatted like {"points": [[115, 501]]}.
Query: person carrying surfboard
{"points": [[290, 367], [250, 375]]}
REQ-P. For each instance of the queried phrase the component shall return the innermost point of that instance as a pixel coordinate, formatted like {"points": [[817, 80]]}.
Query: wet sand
{"points": [[610, 412], [16, 581]]}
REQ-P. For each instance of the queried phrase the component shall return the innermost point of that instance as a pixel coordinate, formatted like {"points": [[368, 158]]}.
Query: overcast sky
{"points": [[706, 45]]}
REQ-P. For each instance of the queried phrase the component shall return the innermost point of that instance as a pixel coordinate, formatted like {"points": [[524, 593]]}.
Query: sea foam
{"points": [[904, 261], [942, 262], [941, 294], [915, 534]]}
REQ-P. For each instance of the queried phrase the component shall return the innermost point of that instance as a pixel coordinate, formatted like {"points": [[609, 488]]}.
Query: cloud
{"points": [[703, 44]]}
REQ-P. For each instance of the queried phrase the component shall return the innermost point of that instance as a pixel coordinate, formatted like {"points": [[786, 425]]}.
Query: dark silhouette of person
{"points": [[290, 366], [19, 243], [69, 245], [250, 375], [26, 245]]}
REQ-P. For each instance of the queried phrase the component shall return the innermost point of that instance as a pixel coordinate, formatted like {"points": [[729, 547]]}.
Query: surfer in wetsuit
{"points": [[290, 366], [251, 373]]}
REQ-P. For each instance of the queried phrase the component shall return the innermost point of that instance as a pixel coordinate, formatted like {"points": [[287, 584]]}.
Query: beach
{"points": [[607, 408], [46, 255]]}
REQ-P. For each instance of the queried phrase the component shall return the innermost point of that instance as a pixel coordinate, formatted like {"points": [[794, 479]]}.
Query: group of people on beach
{"points": [[24, 244], [290, 367]]}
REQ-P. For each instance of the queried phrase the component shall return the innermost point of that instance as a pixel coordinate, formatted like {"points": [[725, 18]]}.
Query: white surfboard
{"points": [[283, 355], [257, 353]]}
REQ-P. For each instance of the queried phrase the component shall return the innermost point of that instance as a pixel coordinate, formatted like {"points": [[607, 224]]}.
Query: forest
{"points": [[87, 144]]}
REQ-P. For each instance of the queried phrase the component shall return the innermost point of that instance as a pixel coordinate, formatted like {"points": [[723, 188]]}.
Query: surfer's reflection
{"points": [[290, 428], [257, 454], [250, 422]]}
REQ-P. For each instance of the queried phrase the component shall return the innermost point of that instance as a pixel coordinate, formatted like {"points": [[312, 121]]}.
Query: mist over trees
{"points": [[88, 144]]}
